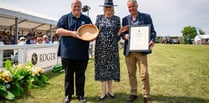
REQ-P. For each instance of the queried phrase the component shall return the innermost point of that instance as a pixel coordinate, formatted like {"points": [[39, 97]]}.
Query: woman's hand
{"points": [[127, 37], [123, 29]]}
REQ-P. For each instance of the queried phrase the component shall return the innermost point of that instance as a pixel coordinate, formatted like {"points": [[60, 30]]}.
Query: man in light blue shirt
{"points": [[46, 40]]}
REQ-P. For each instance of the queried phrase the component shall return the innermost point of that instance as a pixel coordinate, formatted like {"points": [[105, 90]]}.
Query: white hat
{"points": [[22, 38]]}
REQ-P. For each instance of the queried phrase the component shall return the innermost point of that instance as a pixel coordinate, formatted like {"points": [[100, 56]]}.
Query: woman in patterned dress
{"points": [[107, 66]]}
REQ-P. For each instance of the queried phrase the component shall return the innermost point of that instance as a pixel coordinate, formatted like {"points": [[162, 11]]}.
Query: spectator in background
{"points": [[39, 40], [7, 39], [22, 41], [28, 39], [12, 39], [46, 40], [55, 39], [32, 40]]}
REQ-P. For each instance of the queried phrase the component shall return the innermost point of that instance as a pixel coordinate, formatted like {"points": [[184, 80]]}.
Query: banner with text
{"points": [[43, 57]]}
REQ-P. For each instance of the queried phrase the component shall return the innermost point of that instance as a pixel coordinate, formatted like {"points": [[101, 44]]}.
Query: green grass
{"points": [[178, 74]]}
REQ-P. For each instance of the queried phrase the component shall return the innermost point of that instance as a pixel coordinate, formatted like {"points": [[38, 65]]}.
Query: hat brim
{"points": [[107, 5]]}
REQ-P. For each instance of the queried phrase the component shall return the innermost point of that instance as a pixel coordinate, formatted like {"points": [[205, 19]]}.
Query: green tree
{"points": [[190, 32]]}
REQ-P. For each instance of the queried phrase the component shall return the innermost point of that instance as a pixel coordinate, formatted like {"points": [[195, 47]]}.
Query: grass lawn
{"points": [[178, 74]]}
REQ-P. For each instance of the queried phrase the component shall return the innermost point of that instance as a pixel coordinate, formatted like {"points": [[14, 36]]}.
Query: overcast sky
{"points": [[169, 16]]}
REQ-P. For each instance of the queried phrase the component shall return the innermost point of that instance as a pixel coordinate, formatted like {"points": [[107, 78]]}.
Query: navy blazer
{"points": [[144, 19]]}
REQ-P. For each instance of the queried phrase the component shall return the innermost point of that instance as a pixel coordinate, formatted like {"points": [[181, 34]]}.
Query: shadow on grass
{"points": [[122, 98], [51, 74], [179, 99]]}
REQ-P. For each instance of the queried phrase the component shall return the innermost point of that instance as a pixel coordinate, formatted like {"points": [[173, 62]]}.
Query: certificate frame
{"points": [[139, 37]]}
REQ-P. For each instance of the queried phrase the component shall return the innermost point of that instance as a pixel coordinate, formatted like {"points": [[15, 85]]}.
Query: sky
{"points": [[169, 16]]}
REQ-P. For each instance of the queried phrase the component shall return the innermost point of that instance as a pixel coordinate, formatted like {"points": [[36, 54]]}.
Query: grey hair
{"points": [[113, 10], [134, 1]]}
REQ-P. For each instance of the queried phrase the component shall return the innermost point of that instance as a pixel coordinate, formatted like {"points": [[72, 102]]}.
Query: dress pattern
{"points": [[107, 66]]}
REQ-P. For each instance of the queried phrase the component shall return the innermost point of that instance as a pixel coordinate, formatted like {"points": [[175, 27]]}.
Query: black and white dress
{"points": [[107, 66]]}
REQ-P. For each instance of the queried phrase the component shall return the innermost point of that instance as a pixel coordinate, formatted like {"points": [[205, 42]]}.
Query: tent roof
{"points": [[26, 19], [199, 37], [204, 36]]}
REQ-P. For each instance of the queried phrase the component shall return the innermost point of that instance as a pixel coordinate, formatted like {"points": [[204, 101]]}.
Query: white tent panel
{"points": [[204, 36], [45, 27], [6, 21], [28, 25], [198, 38], [26, 19]]}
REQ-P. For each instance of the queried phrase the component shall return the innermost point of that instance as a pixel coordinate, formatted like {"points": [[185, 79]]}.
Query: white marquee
{"points": [[25, 19]]}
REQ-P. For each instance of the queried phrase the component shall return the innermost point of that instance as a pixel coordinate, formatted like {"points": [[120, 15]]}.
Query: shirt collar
{"points": [[74, 16]]}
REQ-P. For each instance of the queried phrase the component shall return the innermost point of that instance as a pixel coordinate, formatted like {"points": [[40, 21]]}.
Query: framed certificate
{"points": [[139, 38]]}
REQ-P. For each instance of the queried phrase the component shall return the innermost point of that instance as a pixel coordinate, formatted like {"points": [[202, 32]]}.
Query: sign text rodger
{"points": [[47, 57]]}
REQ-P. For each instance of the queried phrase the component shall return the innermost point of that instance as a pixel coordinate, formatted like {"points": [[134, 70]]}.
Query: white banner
{"points": [[43, 57]]}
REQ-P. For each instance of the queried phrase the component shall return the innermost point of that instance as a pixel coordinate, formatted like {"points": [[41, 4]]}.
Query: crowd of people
{"points": [[6, 38]]}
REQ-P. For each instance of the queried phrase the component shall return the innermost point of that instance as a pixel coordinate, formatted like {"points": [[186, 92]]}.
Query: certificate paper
{"points": [[139, 38]]}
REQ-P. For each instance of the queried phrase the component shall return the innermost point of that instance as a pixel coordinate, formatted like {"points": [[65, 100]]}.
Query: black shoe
{"points": [[82, 99], [112, 96], [131, 98], [102, 98], [67, 99]]}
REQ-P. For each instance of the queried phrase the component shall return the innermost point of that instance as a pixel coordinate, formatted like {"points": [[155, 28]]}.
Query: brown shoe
{"points": [[131, 98], [147, 100]]}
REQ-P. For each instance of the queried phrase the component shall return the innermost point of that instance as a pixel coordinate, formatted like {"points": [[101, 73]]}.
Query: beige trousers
{"points": [[131, 60]]}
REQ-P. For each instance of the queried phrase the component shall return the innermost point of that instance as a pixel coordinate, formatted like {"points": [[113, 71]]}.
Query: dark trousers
{"points": [[77, 67]]}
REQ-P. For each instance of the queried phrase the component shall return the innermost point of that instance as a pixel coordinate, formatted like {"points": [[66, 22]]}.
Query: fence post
{"points": [[20, 56]]}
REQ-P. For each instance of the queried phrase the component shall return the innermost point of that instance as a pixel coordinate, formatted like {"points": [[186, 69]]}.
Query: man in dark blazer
{"points": [[133, 58]]}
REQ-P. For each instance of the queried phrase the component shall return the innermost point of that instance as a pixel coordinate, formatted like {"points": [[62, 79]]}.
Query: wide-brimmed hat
{"points": [[108, 3], [88, 32]]}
